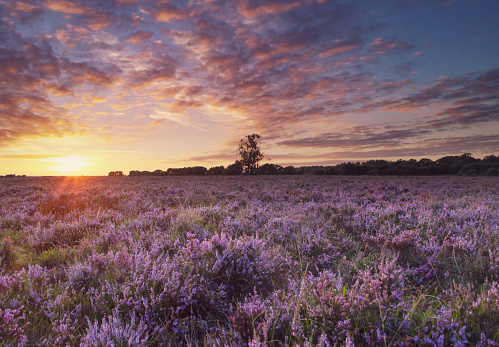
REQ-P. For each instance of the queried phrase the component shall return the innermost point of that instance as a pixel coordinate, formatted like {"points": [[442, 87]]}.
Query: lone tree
{"points": [[250, 153]]}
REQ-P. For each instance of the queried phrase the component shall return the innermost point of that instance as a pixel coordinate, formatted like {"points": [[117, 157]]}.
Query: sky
{"points": [[92, 86]]}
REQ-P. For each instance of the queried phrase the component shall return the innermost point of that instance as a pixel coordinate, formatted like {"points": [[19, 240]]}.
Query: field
{"points": [[249, 261]]}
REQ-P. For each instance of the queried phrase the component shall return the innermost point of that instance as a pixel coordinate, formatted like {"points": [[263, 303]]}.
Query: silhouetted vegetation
{"points": [[273, 169], [185, 171], [250, 153], [214, 171], [234, 169], [116, 173], [462, 165]]}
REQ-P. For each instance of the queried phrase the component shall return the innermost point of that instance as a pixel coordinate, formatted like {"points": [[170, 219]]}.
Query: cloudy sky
{"points": [[91, 86]]}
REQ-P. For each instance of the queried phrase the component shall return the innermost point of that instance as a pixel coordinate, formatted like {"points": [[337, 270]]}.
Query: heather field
{"points": [[249, 261]]}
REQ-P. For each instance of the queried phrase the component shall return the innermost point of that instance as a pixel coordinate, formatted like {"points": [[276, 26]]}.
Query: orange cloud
{"points": [[94, 19], [168, 13], [337, 49], [289, 47], [61, 35], [23, 7], [81, 73], [66, 7], [99, 20], [159, 72], [139, 36], [249, 10]]}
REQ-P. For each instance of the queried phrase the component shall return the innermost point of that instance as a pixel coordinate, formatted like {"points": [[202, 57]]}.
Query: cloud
{"points": [[381, 47], [32, 76], [437, 147], [65, 6], [357, 138], [23, 7], [392, 86], [139, 36], [474, 98], [127, 1], [24, 11], [293, 67], [95, 19], [17, 123], [169, 12], [216, 158], [415, 54], [477, 110], [341, 46], [250, 66], [256, 8], [471, 100], [181, 119], [81, 73], [99, 20], [158, 71]]}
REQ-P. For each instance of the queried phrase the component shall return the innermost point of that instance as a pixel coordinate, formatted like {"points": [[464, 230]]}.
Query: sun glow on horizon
{"points": [[69, 164]]}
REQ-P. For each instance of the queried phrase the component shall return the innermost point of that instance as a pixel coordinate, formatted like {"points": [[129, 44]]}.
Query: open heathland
{"points": [[249, 261]]}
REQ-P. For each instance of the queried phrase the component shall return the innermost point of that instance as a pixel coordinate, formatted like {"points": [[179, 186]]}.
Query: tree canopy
{"points": [[250, 153]]}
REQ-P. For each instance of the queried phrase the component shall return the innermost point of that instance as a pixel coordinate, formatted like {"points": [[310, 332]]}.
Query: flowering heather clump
{"points": [[9, 325], [249, 261], [113, 332]]}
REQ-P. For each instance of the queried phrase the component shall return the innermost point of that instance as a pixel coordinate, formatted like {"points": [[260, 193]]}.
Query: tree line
{"points": [[462, 165], [250, 155], [234, 169]]}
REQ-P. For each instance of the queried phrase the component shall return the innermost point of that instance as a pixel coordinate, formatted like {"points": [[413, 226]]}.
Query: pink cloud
{"points": [[66, 7], [338, 49], [23, 7], [168, 13], [139, 36], [94, 19], [99, 20], [380, 46], [253, 9]]}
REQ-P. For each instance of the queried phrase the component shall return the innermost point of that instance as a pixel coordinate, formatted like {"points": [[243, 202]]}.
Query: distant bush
{"points": [[234, 169]]}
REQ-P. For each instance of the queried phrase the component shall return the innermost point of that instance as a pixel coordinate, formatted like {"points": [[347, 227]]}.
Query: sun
{"points": [[68, 165]]}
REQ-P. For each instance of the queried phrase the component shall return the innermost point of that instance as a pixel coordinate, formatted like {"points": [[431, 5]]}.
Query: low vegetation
{"points": [[249, 261]]}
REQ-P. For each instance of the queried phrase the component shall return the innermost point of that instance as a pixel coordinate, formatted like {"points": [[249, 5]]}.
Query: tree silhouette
{"points": [[250, 153]]}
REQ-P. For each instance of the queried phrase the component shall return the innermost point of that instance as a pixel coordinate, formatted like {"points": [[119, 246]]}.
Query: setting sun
{"points": [[68, 165]]}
